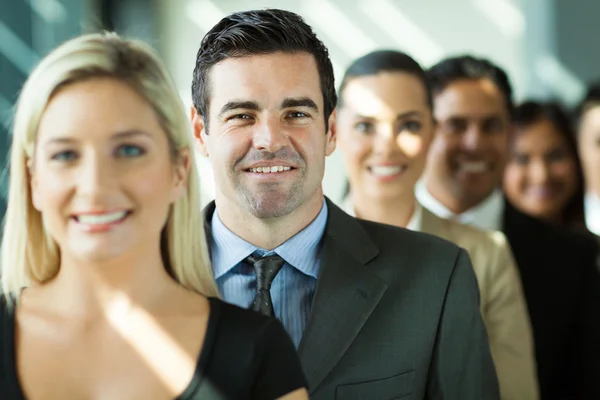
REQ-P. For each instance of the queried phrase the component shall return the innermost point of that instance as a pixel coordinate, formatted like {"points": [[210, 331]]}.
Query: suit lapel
{"points": [[346, 294]]}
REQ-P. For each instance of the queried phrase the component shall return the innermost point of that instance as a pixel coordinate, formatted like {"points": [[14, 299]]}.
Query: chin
{"points": [[98, 252], [272, 203], [389, 193], [268, 208]]}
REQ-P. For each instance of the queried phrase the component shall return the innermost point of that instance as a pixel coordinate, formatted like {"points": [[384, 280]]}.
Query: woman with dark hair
{"points": [[543, 177], [384, 127]]}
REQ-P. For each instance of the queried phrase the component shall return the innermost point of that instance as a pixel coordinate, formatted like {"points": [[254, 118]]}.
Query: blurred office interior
{"points": [[549, 47]]}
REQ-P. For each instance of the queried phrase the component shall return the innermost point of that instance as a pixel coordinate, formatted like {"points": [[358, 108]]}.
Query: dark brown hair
{"points": [[453, 69], [259, 32], [531, 112]]}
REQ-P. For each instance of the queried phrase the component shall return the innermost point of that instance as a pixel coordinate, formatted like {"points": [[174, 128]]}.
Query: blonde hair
{"points": [[29, 255]]}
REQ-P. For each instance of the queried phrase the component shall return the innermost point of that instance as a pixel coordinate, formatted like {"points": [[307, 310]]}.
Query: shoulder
{"points": [[476, 240], [343, 226], [250, 323], [247, 354], [7, 305], [407, 256], [247, 329], [244, 335], [563, 241], [401, 239], [395, 254], [584, 240]]}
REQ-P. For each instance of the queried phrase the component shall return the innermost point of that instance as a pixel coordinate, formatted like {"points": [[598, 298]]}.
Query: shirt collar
{"points": [[413, 223], [592, 213], [301, 251], [486, 215]]}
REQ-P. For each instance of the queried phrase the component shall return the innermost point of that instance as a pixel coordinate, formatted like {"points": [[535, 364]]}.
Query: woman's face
{"points": [[589, 149], [102, 175], [384, 129], [541, 175]]}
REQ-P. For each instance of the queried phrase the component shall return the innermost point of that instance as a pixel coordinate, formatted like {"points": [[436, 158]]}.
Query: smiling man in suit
{"points": [[473, 107], [376, 311]]}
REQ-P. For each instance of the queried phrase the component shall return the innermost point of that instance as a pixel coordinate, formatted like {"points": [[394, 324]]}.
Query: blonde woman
{"points": [[108, 291]]}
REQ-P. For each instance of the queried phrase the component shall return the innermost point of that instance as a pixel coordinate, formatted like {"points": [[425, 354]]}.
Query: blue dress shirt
{"points": [[294, 286]]}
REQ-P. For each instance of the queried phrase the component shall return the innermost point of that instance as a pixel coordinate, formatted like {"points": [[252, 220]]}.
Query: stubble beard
{"points": [[272, 200]]}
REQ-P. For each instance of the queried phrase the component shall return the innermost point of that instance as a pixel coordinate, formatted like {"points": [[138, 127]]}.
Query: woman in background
{"points": [[543, 177], [384, 126], [108, 290]]}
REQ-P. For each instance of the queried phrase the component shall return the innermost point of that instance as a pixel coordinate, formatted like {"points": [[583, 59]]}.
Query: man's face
{"points": [[467, 157], [267, 138]]}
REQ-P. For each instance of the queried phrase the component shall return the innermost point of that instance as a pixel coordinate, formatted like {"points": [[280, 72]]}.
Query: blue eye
{"points": [[129, 150], [364, 127], [64, 156]]}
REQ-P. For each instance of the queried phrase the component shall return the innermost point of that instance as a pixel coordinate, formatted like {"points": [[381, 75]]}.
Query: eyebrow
{"points": [[299, 102], [400, 116], [234, 105], [254, 106], [477, 117], [408, 114], [119, 135]]}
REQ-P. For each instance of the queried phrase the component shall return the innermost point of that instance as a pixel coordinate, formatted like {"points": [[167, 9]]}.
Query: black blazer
{"points": [[562, 287], [395, 315]]}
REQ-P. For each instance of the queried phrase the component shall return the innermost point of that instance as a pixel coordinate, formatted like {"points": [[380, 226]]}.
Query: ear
{"points": [[199, 130], [181, 173], [331, 133], [33, 186]]}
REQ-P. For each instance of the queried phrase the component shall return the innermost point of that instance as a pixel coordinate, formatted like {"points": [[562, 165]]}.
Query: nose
{"points": [[473, 138], [96, 176], [385, 140], [538, 172], [269, 135]]}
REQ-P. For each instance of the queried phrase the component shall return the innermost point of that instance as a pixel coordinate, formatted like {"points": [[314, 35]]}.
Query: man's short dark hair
{"points": [[453, 69], [259, 32], [385, 61]]}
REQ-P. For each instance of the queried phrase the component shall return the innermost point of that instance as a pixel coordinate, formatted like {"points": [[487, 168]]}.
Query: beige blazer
{"points": [[502, 302]]}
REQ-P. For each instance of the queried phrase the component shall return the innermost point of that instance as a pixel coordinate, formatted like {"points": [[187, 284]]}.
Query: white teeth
{"points": [[475, 167], [268, 170], [386, 171], [98, 219]]}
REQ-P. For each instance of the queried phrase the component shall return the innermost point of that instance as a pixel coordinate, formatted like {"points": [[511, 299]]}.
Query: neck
{"points": [[392, 211], [557, 219], [267, 233], [89, 288], [455, 204]]}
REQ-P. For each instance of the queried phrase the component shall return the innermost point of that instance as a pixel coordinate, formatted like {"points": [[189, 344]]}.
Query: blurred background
{"points": [[548, 47]]}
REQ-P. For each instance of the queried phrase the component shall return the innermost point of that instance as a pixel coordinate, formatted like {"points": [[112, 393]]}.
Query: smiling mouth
{"points": [[542, 192], [269, 170], [474, 167], [101, 219], [387, 171]]}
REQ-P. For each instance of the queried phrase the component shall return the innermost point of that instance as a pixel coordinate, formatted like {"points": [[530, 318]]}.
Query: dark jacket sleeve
{"points": [[462, 366], [588, 340], [278, 366]]}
